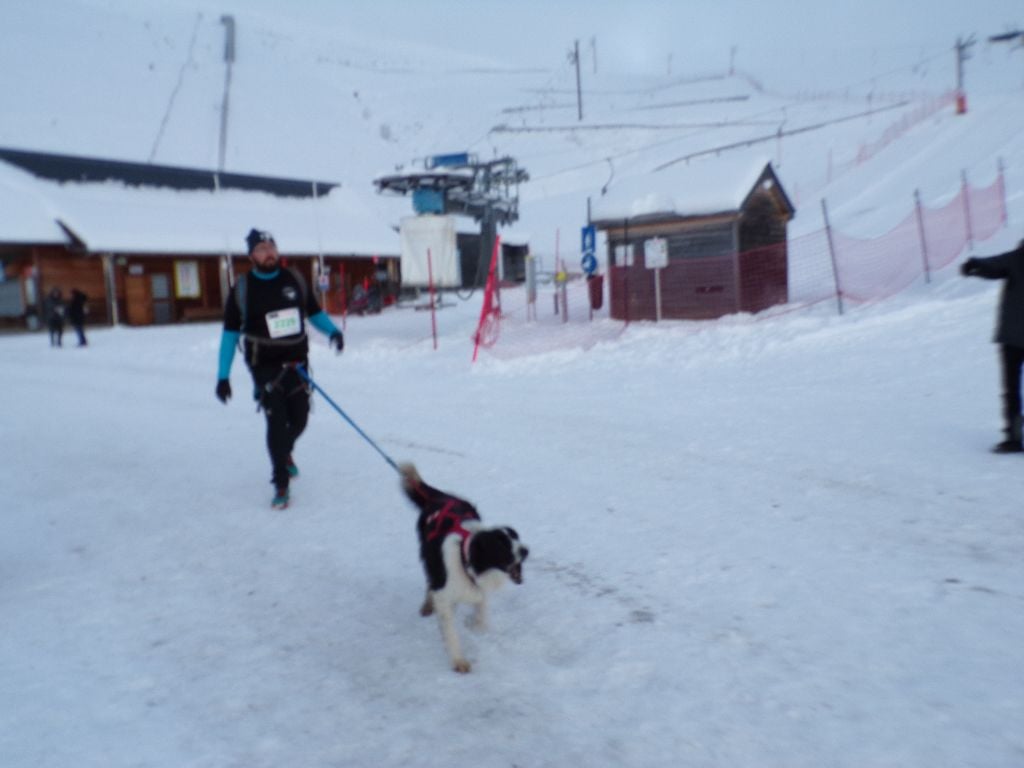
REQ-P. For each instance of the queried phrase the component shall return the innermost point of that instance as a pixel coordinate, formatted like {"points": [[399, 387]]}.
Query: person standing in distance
{"points": [[1008, 267], [77, 310], [54, 309], [269, 309]]}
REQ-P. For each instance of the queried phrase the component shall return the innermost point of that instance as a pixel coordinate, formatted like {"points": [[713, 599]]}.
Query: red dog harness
{"points": [[436, 524]]}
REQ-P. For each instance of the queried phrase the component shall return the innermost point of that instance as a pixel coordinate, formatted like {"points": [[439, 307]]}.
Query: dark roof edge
{"points": [[662, 217], [768, 172], [77, 243], [74, 168]]}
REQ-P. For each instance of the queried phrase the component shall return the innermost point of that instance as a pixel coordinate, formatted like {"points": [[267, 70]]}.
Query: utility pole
{"points": [[229, 59], [962, 55], [593, 51], [574, 57]]}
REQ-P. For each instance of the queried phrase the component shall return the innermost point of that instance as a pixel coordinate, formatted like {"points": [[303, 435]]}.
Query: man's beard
{"points": [[265, 270]]}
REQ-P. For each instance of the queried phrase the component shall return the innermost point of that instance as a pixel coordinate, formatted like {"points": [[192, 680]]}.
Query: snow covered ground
{"points": [[753, 543]]}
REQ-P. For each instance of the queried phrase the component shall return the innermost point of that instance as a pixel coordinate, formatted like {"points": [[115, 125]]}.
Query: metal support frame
{"points": [[488, 191]]}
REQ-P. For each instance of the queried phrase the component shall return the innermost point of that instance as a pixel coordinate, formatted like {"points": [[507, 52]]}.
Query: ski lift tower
{"points": [[461, 184]]}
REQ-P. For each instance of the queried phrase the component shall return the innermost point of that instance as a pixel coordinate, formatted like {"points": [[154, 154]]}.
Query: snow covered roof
{"points": [[701, 188], [25, 215], [116, 218]]}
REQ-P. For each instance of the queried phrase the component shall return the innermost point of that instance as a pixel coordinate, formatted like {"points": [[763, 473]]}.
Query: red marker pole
{"points": [[433, 310]]}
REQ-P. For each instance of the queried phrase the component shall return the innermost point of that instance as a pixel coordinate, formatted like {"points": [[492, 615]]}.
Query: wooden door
{"points": [[138, 300]]}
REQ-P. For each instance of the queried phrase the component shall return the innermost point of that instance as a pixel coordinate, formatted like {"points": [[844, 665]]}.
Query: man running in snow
{"points": [[1008, 267], [269, 308]]}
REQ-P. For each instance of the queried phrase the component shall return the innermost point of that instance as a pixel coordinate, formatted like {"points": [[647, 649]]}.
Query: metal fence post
{"points": [[920, 231], [832, 255], [1002, 191], [965, 191]]}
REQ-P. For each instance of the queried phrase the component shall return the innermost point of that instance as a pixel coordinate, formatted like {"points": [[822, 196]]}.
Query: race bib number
{"points": [[283, 322]]}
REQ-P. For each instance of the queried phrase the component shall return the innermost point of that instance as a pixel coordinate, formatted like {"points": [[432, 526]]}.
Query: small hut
{"points": [[715, 244]]}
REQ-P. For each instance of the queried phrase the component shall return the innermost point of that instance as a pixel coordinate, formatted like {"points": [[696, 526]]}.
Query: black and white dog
{"points": [[463, 560]]}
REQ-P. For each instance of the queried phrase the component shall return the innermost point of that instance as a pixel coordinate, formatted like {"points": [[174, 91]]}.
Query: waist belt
{"points": [[262, 341]]}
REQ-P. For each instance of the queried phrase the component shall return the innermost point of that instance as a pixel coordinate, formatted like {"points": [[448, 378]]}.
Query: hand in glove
{"points": [[223, 390], [969, 267], [337, 341]]}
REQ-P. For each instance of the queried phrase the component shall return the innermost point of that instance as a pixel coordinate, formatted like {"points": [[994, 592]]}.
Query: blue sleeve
{"points": [[228, 342], [323, 323]]}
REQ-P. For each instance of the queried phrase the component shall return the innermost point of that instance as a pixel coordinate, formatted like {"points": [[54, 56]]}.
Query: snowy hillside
{"points": [[326, 99]]}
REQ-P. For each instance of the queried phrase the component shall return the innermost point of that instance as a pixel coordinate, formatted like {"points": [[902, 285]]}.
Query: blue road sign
{"points": [[589, 263], [588, 238]]}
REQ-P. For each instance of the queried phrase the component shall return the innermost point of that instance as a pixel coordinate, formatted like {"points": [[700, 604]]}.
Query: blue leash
{"points": [[302, 372]]}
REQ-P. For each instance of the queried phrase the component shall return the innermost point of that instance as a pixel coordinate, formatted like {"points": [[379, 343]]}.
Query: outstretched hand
{"points": [[223, 390], [969, 267], [337, 341]]}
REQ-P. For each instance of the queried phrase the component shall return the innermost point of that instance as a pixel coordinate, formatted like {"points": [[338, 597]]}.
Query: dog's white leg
{"points": [[446, 619], [479, 622], [428, 604]]}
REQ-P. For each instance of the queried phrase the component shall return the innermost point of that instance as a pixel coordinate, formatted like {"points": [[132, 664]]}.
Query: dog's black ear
{"points": [[517, 545]]}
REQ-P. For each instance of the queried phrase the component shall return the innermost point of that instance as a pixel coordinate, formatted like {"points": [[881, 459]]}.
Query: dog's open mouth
{"points": [[515, 573]]}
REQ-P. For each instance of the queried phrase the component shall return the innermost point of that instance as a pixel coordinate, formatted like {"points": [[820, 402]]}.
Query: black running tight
{"points": [[285, 401]]}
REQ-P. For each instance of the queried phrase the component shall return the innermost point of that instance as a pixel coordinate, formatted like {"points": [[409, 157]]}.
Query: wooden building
{"points": [[719, 238], [158, 244]]}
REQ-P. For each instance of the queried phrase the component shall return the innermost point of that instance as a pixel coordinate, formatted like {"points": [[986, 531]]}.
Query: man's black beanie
{"points": [[257, 236]]}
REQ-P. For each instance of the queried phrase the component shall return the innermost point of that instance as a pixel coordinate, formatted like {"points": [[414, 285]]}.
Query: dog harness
{"points": [[447, 520]]}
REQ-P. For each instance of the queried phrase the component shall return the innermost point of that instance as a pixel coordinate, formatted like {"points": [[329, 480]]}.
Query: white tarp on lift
{"points": [[436, 235]]}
